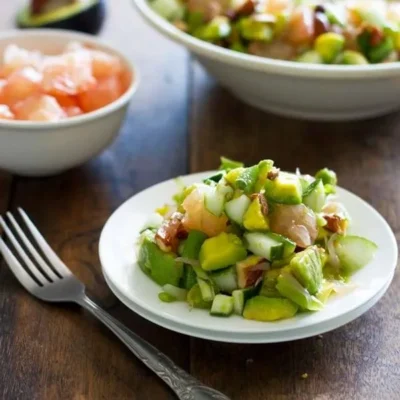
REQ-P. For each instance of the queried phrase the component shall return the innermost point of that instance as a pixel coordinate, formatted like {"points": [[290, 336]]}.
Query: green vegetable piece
{"points": [[315, 196], [354, 252], [282, 263], [264, 167], [310, 57], [307, 267], [206, 289], [288, 286], [168, 9], [233, 174], [215, 178], [327, 176], [378, 53], [195, 299], [251, 29], [194, 20], [166, 297], [227, 164], [266, 245], [238, 46], [281, 22], [218, 28], [336, 15], [285, 189], [350, 57], [260, 308], [247, 179], [329, 189], [329, 45], [221, 251], [236, 208], [240, 297], [393, 30], [160, 266], [325, 291], [191, 249], [268, 288], [254, 218], [222, 305], [225, 279]]}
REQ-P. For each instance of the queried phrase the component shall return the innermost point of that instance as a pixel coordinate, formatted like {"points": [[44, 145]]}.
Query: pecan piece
{"points": [[273, 174], [169, 233], [335, 224]]}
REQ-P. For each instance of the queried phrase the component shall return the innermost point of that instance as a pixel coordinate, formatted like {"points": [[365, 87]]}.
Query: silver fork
{"points": [[58, 284]]}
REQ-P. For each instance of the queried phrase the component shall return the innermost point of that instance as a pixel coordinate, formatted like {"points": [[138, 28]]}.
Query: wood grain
{"points": [[359, 361], [51, 352]]}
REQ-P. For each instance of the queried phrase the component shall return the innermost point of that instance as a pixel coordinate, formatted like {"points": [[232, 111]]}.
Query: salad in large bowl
{"points": [[254, 241]]}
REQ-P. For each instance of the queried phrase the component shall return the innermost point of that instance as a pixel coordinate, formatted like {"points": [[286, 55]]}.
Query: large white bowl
{"points": [[39, 149], [319, 92]]}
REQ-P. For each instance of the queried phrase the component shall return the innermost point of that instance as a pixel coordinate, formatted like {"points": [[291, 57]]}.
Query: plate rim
{"points": [[200, 175]]}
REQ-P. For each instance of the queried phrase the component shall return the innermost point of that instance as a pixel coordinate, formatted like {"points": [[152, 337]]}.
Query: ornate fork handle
{"points": [[183, 384]]}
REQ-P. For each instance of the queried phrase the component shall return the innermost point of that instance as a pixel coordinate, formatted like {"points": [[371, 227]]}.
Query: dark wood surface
{"points": [[180, 121]]}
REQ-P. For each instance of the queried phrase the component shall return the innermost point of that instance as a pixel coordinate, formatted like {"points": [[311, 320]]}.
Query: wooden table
{"points": [[180, 121]]}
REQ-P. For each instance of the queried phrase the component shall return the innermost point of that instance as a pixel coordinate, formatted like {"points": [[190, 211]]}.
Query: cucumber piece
{"points": [[227, 164], [200, 273], [189, 278], [222, 305], [178, 293], [247, 179], [236, 208], [166, 297], [240, 297], [264, 245], [268, 288], [225, 279], [206, 289], [314, 196], [215, 177], [215, 197], [195, 300], [354, 252]]}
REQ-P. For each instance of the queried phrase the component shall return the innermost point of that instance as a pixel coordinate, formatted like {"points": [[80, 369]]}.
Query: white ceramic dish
{"points": [[320, 92], [234, 337], [38, 149], [117, 255]]}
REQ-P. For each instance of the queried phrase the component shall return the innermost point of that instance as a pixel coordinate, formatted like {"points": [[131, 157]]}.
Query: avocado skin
{"points": [[89, 20]]}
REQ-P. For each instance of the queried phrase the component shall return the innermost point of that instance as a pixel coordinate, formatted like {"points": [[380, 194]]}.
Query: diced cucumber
{"points": [[288, 246], [222, 305], [314, 196], [354, 252], [189, 278], [215, 197], [195, 299], [200, 273], [225, 279], [168, 9], [240, 297], [215, 177], [166, 297], [247, 179], [207, 290], [236, 208], [268, 288], [264, 245], [178, 293]]}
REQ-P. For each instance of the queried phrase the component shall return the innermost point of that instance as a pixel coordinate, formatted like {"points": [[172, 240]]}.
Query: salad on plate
{"points": [[352, 32], [253, 241]]}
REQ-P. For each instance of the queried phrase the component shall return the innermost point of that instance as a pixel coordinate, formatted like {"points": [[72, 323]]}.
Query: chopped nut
{"points": [[335, 224], [169, 233], [263, 202], [181, 25], [273, 174]]}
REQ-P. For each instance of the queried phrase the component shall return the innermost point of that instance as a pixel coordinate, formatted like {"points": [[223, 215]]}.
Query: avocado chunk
{"points": [[307, 268], [218, 28], [233, 174], [85, 16], [254, 218], [157, 264], [260, 308], [285, 189], [329, 45], [221, 251], [250, 29], [288, 286], [351, 57], [310, 57], [314, 196]]}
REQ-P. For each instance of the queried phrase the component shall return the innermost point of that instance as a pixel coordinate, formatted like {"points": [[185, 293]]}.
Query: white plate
{"points": [[231, 337], [117, 255]]}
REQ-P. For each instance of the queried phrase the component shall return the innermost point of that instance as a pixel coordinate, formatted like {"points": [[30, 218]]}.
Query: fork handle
{"points": [[184, 385]]}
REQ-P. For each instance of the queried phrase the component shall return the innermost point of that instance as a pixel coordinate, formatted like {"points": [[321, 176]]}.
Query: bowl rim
{"points": [[80, 119], [263, 64]]}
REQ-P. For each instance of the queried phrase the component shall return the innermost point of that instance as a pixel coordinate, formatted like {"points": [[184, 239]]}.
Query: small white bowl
{"points": [[319, 92], [46, 148]]}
